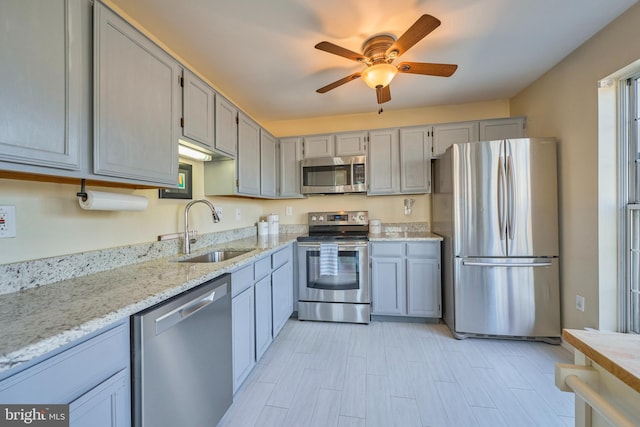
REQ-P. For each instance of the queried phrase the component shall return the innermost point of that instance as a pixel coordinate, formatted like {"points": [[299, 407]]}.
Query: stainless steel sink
{"points": [[216, 256]]}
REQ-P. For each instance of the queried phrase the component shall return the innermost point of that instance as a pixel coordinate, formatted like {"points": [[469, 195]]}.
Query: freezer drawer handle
{"points": [[506, 264], [186, 310]]}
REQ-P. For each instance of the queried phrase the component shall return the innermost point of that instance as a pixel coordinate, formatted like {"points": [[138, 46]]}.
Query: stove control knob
{"points": [[361, 217], [313, 219], [320, 218]]}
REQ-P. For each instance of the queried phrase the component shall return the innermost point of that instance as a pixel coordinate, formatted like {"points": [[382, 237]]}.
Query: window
{"points": [[630, 185]]}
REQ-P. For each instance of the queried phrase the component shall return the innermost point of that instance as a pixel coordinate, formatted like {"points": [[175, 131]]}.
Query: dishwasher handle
{"points": [[188, 309]]}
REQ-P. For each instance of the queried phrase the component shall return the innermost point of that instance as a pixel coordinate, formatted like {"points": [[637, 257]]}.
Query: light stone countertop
{"points": [[617, 353], [38, 320], [404, 235]]}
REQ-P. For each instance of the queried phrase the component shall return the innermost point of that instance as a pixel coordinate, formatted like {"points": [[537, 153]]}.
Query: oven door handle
{"points": [[341, 246]]}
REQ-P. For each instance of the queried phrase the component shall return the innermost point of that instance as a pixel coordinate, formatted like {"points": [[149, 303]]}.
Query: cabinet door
{"points": [[248, 161], [318, 146], [198, 105], [387, 286], [282, 296], [267, 164], [226, 127], [107, 405], [289, 156], [451, 133], [351, 144], [383, 162], [492, 130], [423, 287], [45, 82], [415, 160], [263, 316], [137, 104], [243, 335]]}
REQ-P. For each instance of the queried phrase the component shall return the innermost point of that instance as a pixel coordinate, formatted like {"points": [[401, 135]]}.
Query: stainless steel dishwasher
{"points": [[181, 362]]}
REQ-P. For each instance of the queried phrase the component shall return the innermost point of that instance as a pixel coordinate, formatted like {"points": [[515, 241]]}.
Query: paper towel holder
{"points": [[83, 192]]}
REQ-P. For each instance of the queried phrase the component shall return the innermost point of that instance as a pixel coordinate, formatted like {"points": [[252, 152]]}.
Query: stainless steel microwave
{"points": [[333, 175]]}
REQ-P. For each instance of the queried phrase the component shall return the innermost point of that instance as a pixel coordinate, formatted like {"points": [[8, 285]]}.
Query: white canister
{"points": [[375, 226], [263, 228], [274, 223]]}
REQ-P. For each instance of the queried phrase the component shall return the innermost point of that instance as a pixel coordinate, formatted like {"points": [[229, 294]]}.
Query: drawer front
{"points": [[68, 375], [281, 257], [424, 250], [392, 249], [241, 280], [262, 268]]}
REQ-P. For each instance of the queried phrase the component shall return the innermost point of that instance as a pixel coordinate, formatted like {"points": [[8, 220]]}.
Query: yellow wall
{"points": [[564, 103]]}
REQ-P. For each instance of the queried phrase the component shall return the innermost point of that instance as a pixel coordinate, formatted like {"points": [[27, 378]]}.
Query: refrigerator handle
{"points": [[501, 195], [511, 192], [506, 264]]}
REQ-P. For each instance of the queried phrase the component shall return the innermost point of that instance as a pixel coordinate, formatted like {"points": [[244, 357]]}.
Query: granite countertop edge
{"points": [[87, 304], [405, 236]]}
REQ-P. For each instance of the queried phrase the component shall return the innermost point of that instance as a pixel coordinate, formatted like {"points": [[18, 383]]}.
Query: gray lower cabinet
{"points": [[282, 288], [262, 301], [45, 51], [263, 316], [92, 376], [243, 335], [137, 104], [405, 279]]}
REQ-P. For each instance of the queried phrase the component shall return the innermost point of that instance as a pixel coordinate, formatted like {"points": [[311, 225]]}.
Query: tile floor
{"points": [[400, 374]]}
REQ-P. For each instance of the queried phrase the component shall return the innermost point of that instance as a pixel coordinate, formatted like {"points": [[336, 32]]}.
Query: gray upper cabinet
{"points": [[383, 162], [351, 144], [137, 104], [45, 51], [198, 110], [444, 135], [495, 129], [268, 165], [415, 160], [248, 161], [289, 156], [226, 127], [318, 146]]}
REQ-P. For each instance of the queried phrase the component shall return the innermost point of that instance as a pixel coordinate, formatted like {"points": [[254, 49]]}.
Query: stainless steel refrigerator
{"points": [[496, 205]]}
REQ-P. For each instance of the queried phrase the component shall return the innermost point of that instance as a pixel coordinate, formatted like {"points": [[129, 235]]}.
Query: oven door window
{"points": [[347, 277], [326, 176]]}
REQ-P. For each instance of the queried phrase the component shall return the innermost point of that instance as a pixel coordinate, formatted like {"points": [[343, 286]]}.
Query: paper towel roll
{"points": [[102, 201], [274, 223], [263, 228]]}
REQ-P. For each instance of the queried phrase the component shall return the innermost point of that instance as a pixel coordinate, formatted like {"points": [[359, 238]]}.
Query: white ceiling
{"points": [[260, 53]]}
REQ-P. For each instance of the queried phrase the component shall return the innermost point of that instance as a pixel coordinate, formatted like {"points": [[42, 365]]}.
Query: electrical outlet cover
{"points": [[7, 221]]}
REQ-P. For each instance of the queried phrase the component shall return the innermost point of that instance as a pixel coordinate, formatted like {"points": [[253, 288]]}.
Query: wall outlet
{"points": [[237, 214], [288, 211], [7, 221], [219, 212], [579, 302]]}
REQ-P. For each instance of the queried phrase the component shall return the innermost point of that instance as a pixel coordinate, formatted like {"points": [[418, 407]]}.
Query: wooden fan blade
{"points": [[337, 83], [441, 70], [340, 51], [383, 94], [423, 26]]}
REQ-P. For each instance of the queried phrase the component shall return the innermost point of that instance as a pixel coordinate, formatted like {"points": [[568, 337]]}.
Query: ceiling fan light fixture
{"points": [[379, 75]]}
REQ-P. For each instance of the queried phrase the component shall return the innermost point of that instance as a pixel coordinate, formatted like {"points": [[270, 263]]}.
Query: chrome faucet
{"points": [[216, 218]]}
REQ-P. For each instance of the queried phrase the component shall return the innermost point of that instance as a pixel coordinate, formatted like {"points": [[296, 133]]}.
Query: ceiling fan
{"points": [[378, 53]]}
